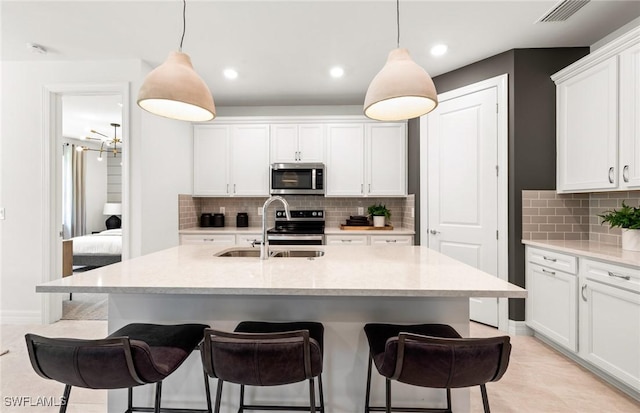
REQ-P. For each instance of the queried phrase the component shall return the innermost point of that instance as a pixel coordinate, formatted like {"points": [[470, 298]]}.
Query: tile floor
{"points": [[539, 380]]}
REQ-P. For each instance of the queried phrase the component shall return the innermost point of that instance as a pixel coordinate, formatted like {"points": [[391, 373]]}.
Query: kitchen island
{"points": [[344, 289]]}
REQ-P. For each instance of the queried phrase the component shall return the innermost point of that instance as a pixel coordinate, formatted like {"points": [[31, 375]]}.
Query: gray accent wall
{"points": [[532, 134]]}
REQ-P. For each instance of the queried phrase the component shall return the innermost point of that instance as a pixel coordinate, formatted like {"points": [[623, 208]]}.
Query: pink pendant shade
{"points": [[401, 90], [174, 90]]}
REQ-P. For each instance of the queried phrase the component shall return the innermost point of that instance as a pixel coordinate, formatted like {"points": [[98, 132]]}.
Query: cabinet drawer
{"points": [[346, 239], [391, 240], [552, 259], [221, 239], [616, 275]]}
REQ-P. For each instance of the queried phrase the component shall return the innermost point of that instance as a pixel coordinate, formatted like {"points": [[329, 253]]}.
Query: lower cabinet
{"points": [[222, 239], [589, 307], [610, 319], [358, 239]]}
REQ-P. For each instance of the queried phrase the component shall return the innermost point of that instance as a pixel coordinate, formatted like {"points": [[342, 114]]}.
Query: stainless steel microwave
{"points": [[297, 179]]}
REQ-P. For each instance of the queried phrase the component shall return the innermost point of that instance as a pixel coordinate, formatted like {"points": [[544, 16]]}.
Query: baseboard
{"points": [[20, 317], [519, 328]]}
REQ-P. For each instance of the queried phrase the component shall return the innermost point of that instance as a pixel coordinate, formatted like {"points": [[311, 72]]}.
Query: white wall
{"points": [[155, 155]]}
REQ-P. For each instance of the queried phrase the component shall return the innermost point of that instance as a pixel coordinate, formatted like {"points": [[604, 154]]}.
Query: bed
{"points": [[97, 250]]}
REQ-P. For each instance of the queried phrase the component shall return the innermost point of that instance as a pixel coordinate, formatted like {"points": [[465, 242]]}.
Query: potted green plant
{"points": [[380, 214], [628, 219]]}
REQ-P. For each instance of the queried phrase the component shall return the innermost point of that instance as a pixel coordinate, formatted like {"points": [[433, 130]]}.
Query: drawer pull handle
{"points": [[548, 272], [345, 240], [209, 239], [549, 259], [392, 240], [582, 290], [624, 277]]}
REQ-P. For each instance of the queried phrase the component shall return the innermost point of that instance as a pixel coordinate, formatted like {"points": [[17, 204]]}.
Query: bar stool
{"points": [[266, 354], [436, 356], [134, 355]]}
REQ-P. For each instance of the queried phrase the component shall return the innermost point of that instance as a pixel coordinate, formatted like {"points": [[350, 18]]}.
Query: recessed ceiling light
{"points": [[230, 73], [439, 49], [336, 72]]}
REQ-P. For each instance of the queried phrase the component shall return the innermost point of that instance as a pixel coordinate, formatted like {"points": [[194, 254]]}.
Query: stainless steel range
{"points": [[305, 228]]}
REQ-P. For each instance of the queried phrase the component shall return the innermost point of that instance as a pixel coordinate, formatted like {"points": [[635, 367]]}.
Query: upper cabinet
{"points": [[598, 118], [292, 143], [366, 159], [231, 160]]}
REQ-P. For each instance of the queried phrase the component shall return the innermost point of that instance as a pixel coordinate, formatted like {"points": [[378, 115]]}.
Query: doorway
{"points": [[464, 155], [76, 117]]}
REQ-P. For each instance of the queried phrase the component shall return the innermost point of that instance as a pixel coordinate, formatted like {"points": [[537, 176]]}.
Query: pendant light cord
{"points": [[398, 21], [184, 22]]}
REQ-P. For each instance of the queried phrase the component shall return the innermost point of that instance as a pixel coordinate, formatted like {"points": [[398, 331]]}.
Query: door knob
{"points": [[433, 232]]}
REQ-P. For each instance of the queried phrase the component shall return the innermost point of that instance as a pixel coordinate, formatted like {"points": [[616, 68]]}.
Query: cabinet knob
{"points": [[582, 290], [625, 173], [611, 175]]}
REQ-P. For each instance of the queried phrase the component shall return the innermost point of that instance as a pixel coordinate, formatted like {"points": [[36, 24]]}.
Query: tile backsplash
{"points": [[547, 215], [337, 210]]}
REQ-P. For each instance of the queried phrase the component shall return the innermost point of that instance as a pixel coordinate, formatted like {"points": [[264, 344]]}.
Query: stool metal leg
{"points": [[312, 395], [129, 400], [448, 400], [368, 389], [158, 397], [388, 395], [207, 391], [218, 396], [65, 398], [321, 393], [485, 400], [241, 408]]}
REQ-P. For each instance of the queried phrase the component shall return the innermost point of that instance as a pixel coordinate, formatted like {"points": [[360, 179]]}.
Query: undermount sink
{"points": [[255, 253]]}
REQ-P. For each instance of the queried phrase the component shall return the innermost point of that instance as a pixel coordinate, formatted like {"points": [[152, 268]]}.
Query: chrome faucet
{"points": [[264, 246]]}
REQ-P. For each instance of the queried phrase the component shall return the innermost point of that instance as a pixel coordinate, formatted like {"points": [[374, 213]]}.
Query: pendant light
{"points": [[402, 89], [174, 90]]}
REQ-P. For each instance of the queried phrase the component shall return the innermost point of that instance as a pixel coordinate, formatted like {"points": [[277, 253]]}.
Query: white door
{"points": [[463, 186]]}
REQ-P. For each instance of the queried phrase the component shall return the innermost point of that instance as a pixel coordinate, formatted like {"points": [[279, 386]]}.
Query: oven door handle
{"points": [[294, 237]]}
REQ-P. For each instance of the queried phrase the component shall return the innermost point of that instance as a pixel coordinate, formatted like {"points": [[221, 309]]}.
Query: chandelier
{"points": [[108, 144]]}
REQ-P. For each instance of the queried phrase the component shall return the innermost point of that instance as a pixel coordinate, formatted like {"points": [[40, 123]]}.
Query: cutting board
{"points": [[366, 228]]}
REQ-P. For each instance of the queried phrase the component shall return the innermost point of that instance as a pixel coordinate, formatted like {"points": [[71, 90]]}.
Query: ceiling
{"points": [[283, 50]]}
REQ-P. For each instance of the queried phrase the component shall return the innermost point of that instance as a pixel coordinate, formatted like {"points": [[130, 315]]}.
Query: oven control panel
{"points": [[298, 214]]}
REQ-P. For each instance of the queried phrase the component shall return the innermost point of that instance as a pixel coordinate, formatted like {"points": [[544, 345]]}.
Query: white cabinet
{"points": [[598, 110], [346, 239], [552, 303], [390, 240], [231, 160], [249, 239], [630, 118], [212, 239], [297, 143], [610, 319], [367, 159]]}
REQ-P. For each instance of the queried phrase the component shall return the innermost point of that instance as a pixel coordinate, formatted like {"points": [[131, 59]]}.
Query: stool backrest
{"points": [[261, 359], [94, 364], [447, 362]]}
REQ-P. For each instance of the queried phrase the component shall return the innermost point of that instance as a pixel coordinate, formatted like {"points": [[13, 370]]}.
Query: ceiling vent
{"points": [[563, 10]]}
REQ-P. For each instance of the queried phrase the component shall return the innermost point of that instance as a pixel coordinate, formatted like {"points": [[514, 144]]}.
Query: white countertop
{"points": [[404, 271], [327, 231], [591, 249]]}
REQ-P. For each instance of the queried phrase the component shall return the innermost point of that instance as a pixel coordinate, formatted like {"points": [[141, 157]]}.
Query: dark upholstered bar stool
{"points": [[433, 355], [266, 354], [136, 354]]}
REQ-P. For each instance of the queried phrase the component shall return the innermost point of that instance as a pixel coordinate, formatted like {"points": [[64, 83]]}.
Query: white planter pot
{"points": [[631, 239], [378, 221]]}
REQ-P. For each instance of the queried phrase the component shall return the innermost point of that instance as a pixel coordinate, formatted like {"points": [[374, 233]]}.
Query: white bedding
{"points": [[107, 242]]}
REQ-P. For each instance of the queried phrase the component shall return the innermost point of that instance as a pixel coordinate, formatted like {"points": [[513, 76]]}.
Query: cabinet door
{"points": [[630, 118], [391, 240], [345, 160], [386, 156], [552, 304], [610, 330], [311, 143], [587, 129], [346, 239], [284, 143], [210, 167], [250, 160]]}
